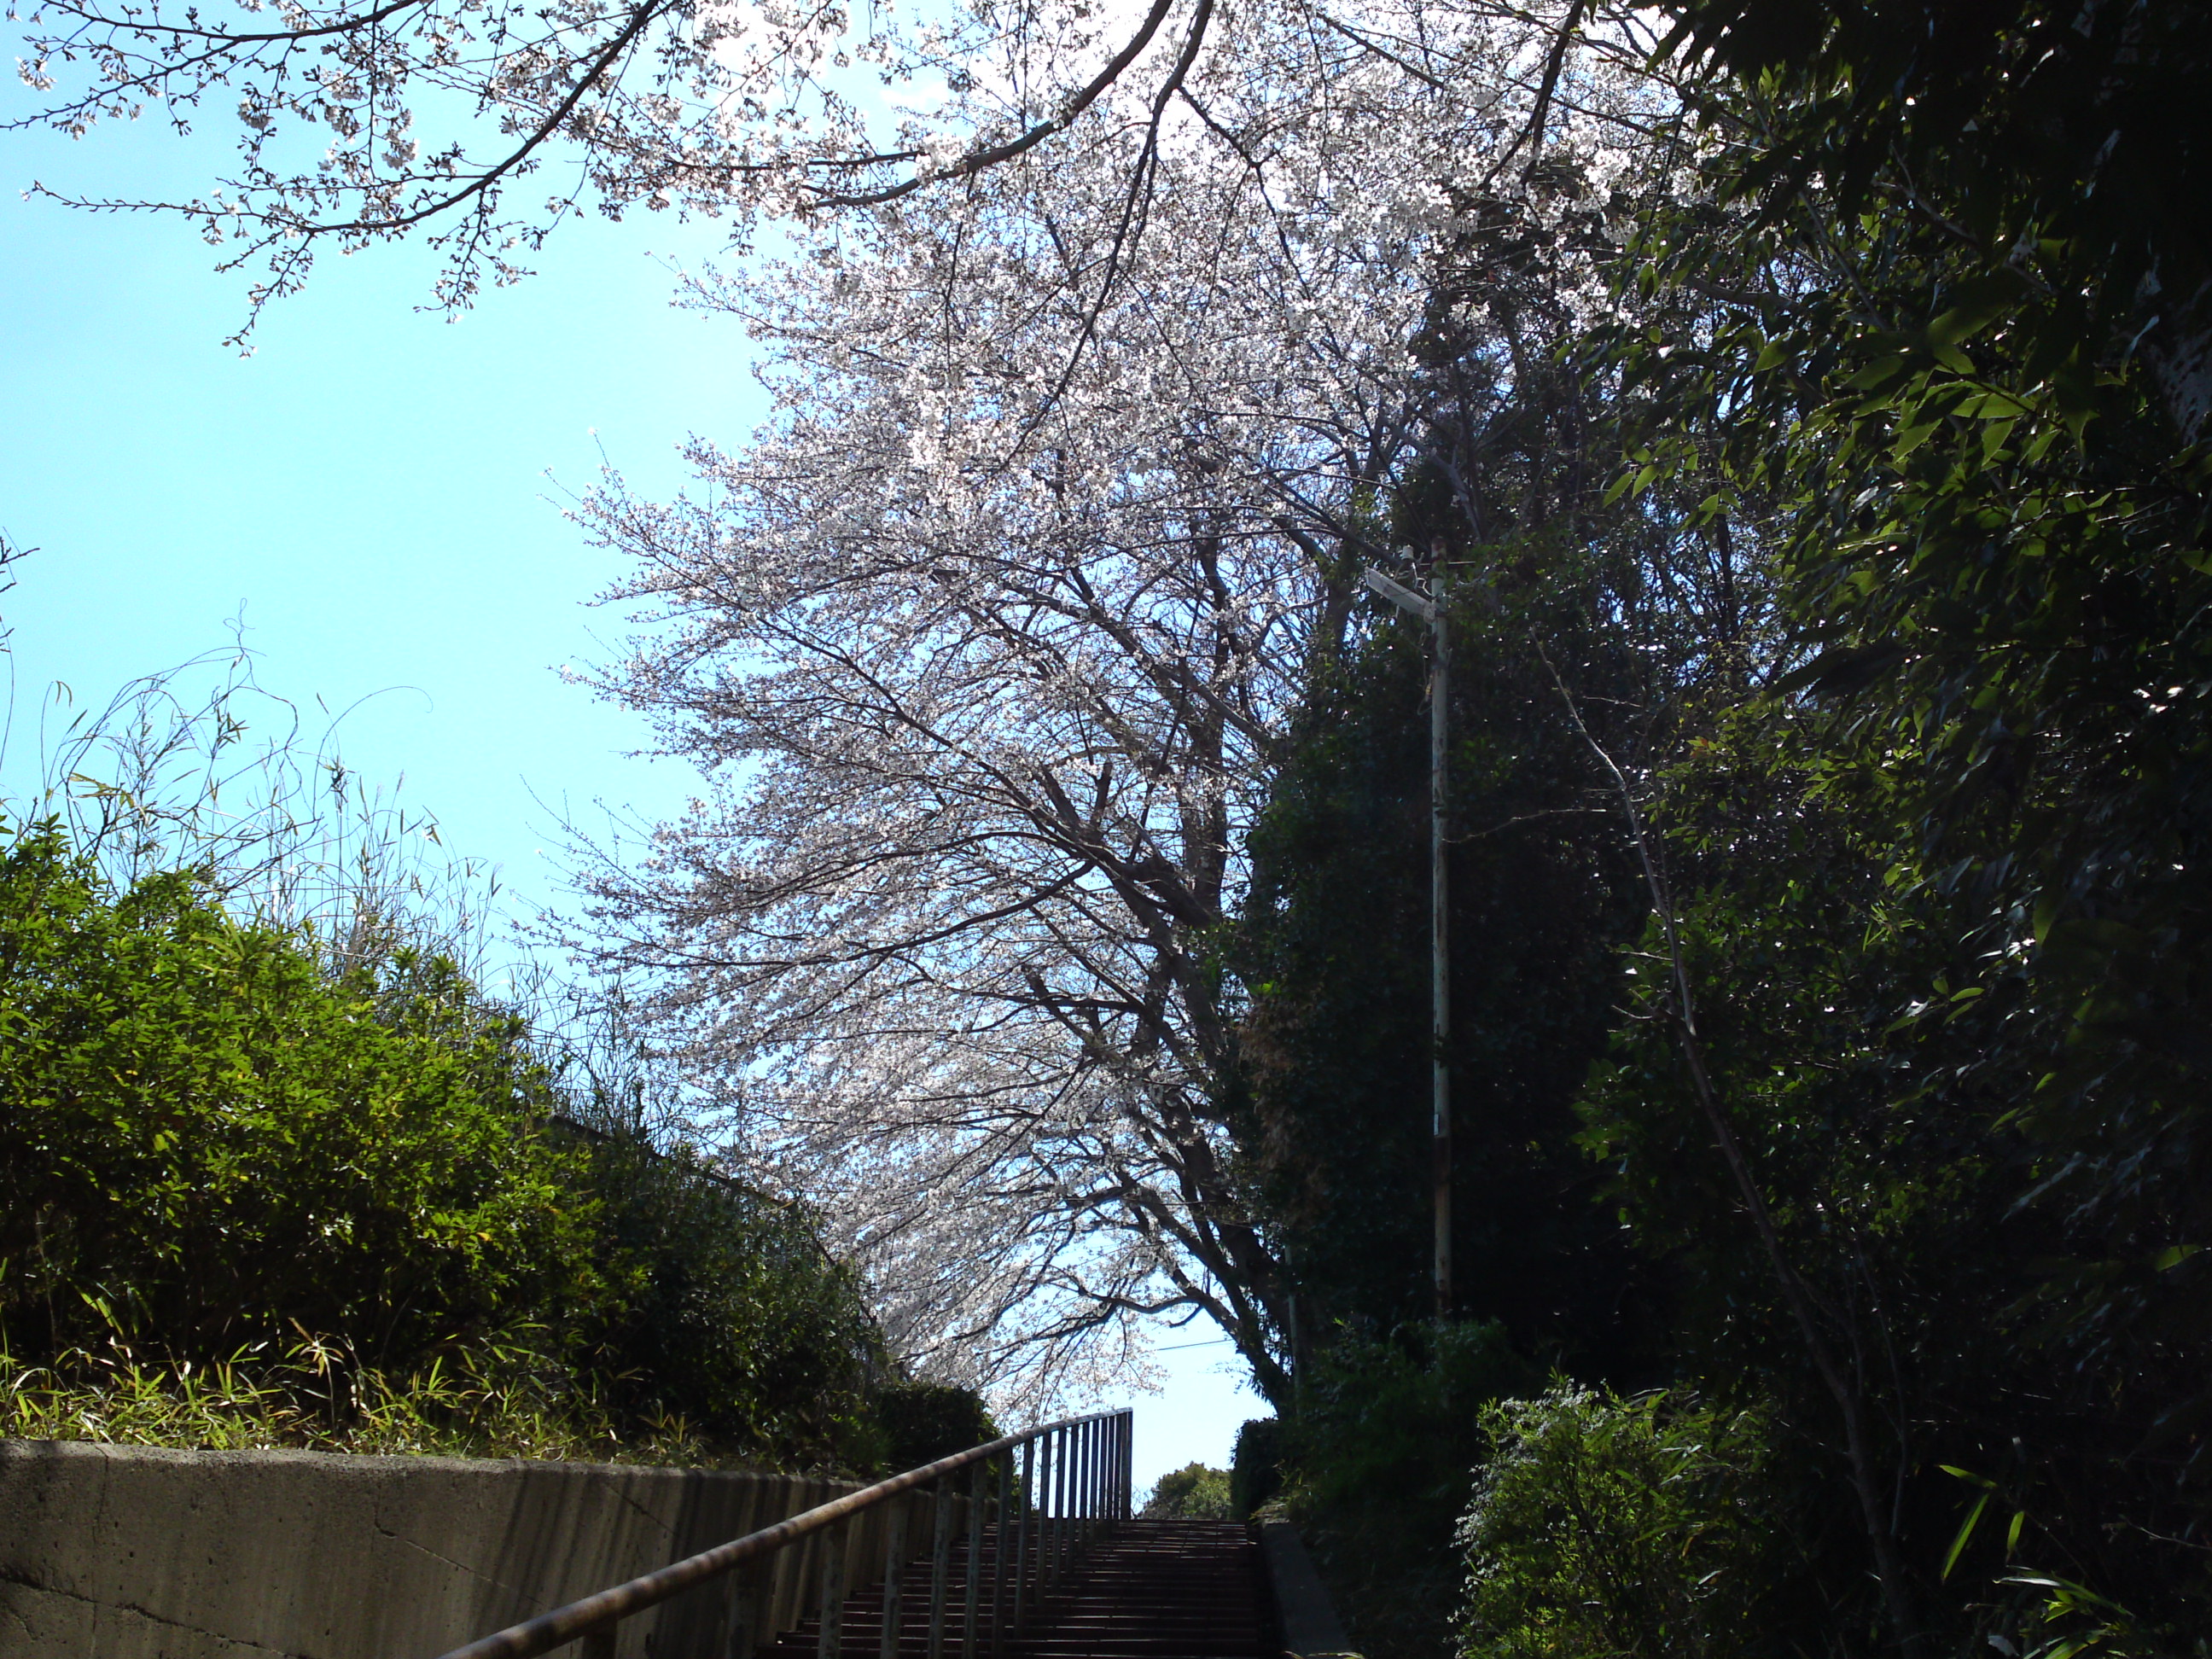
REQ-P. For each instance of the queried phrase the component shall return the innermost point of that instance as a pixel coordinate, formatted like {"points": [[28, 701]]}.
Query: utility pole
{"points": [[1431, 609]]}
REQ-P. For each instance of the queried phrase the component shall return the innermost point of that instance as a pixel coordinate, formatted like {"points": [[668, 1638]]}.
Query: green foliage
{"points": [[490, 1403], [207, 1137], [2052, 1618], [1255, 1465], [1577, 624], [1391, 1422], [1901, 1124], [1380, 1459], [2052, 149], [1192, 1493], [1992, 552], [922, 1422], [1942, 892], [719, 1308], [1859, 1052], [220, 1146], [1776, 891], [1335, 951], [1932, 850], [1335, 943], [1607, 1528]]}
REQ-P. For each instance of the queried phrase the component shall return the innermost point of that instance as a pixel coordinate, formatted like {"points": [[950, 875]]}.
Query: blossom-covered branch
{"points": [[989, 639], [726, 110]]}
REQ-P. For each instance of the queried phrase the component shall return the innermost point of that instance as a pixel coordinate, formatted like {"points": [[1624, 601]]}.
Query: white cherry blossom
{"points": [[989, 638]]}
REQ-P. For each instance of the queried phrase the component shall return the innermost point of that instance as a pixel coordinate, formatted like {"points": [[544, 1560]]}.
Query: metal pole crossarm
{"points": [[1398, 594], [596, 1613]]}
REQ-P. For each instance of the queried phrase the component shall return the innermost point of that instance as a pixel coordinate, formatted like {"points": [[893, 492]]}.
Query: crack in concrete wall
{"points": [[137, 1552], [100, 1612]]}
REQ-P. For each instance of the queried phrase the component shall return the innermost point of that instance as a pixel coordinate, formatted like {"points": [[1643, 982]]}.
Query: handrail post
{"points": [[737, 1643], [1040, 1498], [972, 1600], [1043, 1505], [833, 1590], [1049, 1563], [998, 1556], [1048, 1449], [941, 1561], [1128, 1465], [1028, 1496], [894, 1570], [1066, 1502], [1114, 1469], [1112, 1451], [1049, 1545], [1082, 1494]]}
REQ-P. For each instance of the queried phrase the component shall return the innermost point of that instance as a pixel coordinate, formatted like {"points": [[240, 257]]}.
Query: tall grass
{"points": [[496, 1402], [201, 769]]}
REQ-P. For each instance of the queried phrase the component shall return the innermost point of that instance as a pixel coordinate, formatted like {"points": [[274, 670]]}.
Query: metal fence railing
{"points": [[1033, 1503]]}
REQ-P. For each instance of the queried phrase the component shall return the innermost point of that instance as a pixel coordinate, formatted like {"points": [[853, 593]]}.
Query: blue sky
{"points": [[369, 487], [369, 491]]}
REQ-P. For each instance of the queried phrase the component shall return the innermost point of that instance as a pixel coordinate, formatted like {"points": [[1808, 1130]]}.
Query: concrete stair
{"points": [[1148, 1589]]}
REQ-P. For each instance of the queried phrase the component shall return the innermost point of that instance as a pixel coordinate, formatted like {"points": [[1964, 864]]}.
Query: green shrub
{"points": [[1610, 1528], [1381, 1459], [483, 1404], [1255, 1465], [717, 1307], [219, 1147], [922, 1422], [1192, 1493], [1392, 1421], [208, 1141]]}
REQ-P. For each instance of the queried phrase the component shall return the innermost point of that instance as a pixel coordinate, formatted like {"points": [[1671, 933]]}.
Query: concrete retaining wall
{"points": [[127, 1552], [1303, 1611]]}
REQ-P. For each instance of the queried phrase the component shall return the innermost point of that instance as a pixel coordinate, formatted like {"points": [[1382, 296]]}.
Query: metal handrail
{"points": [[1075, 1477]]}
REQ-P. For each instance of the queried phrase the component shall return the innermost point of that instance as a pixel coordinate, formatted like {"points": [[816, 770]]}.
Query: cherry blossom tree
{"points": [[989, 636], [1101, 335]]}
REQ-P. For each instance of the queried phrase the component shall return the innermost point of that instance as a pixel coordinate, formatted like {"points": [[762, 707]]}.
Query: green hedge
{"points": [[216, 1147]]}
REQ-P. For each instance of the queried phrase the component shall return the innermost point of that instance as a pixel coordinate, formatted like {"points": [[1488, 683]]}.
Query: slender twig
{"points": [[976, 160]]}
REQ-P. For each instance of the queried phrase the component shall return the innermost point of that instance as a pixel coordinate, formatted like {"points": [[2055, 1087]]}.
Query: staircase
{"points": [[1148, 1590]]}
